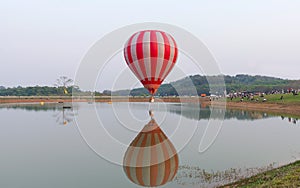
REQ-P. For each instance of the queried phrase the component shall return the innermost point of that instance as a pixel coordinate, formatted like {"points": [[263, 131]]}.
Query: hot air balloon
{"points": [[151, 159], [151, 55]]}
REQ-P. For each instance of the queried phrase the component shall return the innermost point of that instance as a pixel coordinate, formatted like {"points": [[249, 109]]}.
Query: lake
{"points": [[87, 145]]}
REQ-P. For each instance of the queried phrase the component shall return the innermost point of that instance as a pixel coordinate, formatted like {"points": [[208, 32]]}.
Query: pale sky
{"points": [[41, 40]]}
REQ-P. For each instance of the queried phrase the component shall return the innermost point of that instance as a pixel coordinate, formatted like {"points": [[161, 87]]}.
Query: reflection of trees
{"points": [[193, 111], [31, 107], [62, 114]]}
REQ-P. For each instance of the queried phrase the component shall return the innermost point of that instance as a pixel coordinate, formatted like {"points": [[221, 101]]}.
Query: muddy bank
{"points": [[55, 99], [280, 109]]}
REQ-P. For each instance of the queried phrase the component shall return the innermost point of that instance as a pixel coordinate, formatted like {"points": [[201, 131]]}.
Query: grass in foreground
{"points": [[286, 176]]}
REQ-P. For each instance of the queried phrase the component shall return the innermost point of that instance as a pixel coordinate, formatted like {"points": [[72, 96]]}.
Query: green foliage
{"points": [[197, 84], [286, 176], [36, 91], [63, 87]]}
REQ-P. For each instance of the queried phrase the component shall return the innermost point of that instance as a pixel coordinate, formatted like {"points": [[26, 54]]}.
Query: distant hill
{"points": [[197, 85], [191, 85]]}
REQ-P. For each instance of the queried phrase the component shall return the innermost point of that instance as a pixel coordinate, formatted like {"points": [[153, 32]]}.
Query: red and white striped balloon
{"points": [[151, 55], [151, 159]]}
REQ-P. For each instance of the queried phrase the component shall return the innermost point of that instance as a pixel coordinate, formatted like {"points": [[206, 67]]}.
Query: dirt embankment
{"points": [[292, 109], [99, 99]]}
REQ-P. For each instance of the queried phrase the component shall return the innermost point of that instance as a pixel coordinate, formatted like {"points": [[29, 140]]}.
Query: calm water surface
{"points": [[41, 146]]}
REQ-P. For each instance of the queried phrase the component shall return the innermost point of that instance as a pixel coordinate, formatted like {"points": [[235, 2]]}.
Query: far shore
{"points": [[271, 107]]}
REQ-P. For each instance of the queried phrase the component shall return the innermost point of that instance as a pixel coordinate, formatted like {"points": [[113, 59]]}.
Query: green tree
{"points": [[64, 85]]}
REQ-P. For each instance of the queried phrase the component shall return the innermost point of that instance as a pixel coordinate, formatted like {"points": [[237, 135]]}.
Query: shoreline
{"points": [[283, 176], [275, 108]]}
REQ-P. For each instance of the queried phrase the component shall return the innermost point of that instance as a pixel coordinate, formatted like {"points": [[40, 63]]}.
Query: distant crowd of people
{"points": [[250, 95], [245, 95]]}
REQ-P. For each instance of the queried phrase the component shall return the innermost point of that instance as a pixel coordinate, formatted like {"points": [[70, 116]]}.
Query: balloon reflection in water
{"points": [[151, 159]]}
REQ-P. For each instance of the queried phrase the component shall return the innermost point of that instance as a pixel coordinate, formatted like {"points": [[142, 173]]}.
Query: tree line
{"points": [[35, 91], [191, 85]]}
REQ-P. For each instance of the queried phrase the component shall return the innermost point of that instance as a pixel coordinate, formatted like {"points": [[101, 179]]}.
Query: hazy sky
{"points": [[42, 40]]}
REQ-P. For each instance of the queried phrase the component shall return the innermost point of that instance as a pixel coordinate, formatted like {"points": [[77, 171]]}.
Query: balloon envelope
{"points": [[151, 55], [151, 159]]}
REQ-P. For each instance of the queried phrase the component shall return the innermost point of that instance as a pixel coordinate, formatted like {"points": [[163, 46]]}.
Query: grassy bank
{"points": [[288, 98], [289, 105], [285, 176]]}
